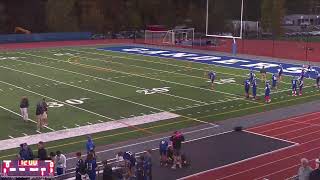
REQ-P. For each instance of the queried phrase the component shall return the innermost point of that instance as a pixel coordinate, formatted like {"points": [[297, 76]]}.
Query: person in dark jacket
{"points": [[42, 152], [107, 171], [315, 174], [25, 152], [91, 165], [177, 138], [39, 113], [24, 105], [80, 167]]}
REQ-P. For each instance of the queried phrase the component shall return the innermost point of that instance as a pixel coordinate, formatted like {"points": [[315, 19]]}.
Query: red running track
{"points": [[279, 165]]}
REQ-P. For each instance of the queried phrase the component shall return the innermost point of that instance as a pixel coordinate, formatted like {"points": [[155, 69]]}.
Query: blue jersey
{"points": [[163, 145], [267, 90], [129, 156], [251, 76], [294, 83], [247, 85], [212, 76], [274, 80], [254, 88]]}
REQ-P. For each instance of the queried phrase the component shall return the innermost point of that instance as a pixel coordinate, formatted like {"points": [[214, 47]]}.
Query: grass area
{"points": [[86, 86]]}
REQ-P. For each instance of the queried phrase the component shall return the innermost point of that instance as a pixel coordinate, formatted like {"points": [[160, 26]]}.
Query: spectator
{"points": [[148, 165], [129, 162], [91, 165], [45, 112], [177, 138], [140, 174], [61, 163], [304, 170], [52, 156], [80, 167], [170, 155], [42, 152], [163, 149], [90, 145], [107, 171], [315, 174], [24, 105], [25, 152]]}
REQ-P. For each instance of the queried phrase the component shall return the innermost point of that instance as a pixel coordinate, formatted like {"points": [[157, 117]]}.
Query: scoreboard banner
{"points": [[27, 168]]}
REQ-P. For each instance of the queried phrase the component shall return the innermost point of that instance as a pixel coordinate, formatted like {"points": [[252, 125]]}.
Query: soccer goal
{"points": [[171, 37]]}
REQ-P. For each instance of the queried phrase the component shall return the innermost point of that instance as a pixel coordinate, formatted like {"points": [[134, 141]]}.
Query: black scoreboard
{"points": [[27, 168]]}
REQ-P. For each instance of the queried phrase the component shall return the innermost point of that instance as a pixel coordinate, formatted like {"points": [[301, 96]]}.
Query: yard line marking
{"points": [[89, 123], [124, 84], [64, 127], [38, 131], [38, 85], [25, 134], [77, 125], [11, 89], [107, 95], [21, 116], [11, 137], [100, 121], [1, 90]]}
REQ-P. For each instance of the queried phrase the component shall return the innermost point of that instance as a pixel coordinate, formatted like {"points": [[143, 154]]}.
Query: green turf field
{"points": [[85, 86]]}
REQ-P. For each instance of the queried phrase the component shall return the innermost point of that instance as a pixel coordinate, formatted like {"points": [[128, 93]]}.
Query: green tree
{"points": [[266, 16]]}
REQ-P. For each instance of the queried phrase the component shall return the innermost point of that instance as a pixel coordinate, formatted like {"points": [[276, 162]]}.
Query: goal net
{"points": [[171, 37]]}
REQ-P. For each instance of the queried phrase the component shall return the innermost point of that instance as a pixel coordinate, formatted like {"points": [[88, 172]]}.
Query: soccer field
{"points": [[88, 88]]}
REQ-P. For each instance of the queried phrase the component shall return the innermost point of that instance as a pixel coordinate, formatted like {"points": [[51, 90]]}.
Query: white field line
{"points": [[108, 80], [21, 116], [42, 95], [200, 69], [103, 94], [138, 75]]}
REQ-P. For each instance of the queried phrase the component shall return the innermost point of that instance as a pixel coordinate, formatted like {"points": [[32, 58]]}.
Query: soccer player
{"points": [[267, 93], [309, 70], [274, 81], [294, 83], [318, 79], [254, 89], [300, 87], [212, 77], [302, 75], [280, 72], [251, 76], [24, 105], [247, 88]]}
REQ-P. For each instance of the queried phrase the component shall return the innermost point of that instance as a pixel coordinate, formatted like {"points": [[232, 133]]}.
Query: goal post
{"points": [[171, 37]]}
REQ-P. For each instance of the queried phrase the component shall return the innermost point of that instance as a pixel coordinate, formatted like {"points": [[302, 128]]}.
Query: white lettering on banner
{"points": [[294, 70], [231, 61], [204, 58], [260, 65], [135, 50], [179, 55], [153, 52]]}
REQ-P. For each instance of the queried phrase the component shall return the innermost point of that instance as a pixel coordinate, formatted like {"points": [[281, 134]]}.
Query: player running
{"points": [[247, 88], [254, 89], [274, 81], [212, 77], [294, 83], [280, 72], [267, 93], [300, 87]]}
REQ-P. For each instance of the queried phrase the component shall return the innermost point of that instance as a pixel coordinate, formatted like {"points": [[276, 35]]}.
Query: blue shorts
{"points": [[163, 152]]}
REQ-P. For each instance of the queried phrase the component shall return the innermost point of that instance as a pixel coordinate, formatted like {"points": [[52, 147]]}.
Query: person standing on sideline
{"points": [[247, 88], [304, 170], [91, 165], [274, 81], [45, 112], [39, 113], [263, 73], [318, 79], [24, 105], [107, 171], [61, 163], [315, 174], [42, 152], [300, 87], [177, 138], [80, 167], [90, 145]]}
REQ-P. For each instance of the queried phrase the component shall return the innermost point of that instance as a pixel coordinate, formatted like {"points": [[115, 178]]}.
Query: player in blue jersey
{"points": [[274, 81], [252, 76], [294, 83], [300, 87], [254, 89], [280, 72], [163, 149], [247, 88], [318, 79], [212, 77], [267, 93]]}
